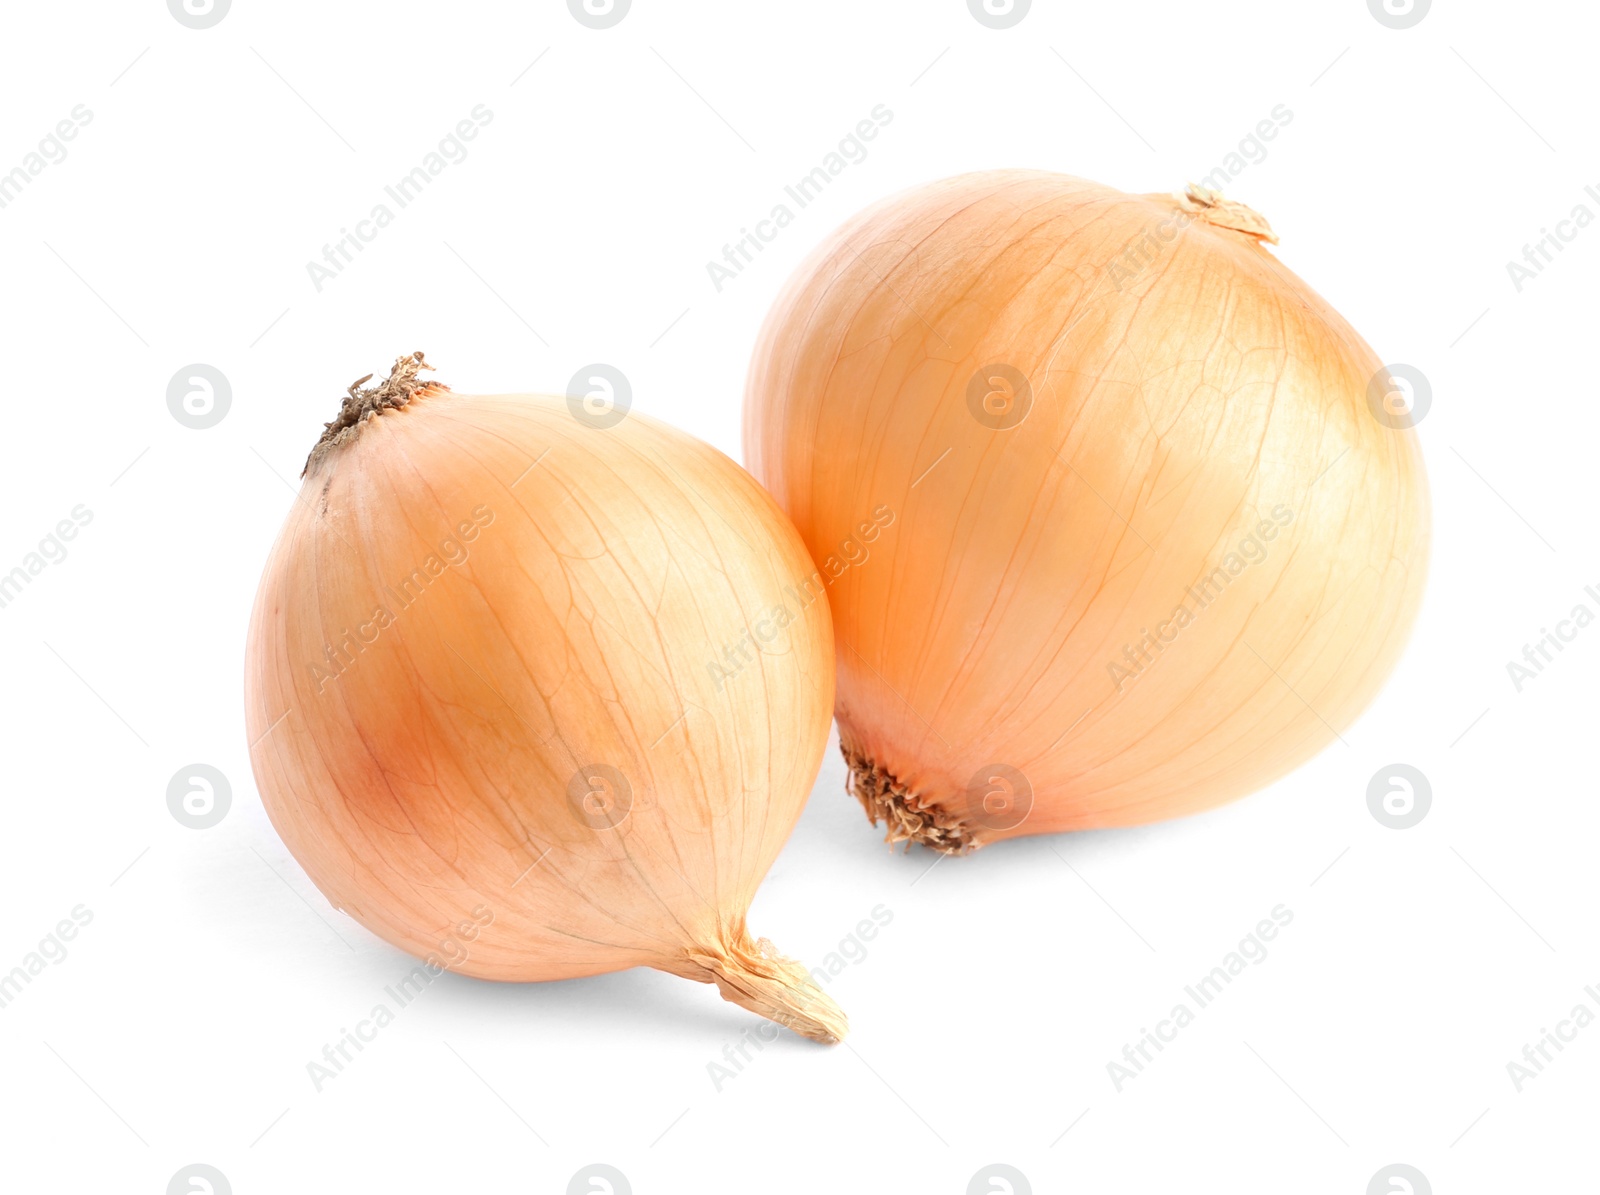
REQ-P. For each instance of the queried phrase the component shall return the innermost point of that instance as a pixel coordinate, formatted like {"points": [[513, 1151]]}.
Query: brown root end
{"points": [[907, 817], [753, 975], [359, 405], [1225, 213]]}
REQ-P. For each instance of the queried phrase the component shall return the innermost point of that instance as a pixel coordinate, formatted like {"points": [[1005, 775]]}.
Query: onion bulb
{"points": [[490, 701], [1160, 520]]}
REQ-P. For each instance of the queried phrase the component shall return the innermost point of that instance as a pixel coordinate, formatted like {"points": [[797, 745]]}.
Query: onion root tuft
{"points": [[907, 818], [401, 386]]}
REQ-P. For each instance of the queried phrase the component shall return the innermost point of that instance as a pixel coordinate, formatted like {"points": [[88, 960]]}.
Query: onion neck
{"points": [[753, 975], [1211, 207]]}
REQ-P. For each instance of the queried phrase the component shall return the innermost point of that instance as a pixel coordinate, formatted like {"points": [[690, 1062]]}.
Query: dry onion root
{"points": [[482, 702], [1162, 531]]}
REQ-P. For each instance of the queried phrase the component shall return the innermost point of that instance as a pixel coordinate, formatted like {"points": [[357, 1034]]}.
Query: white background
{"points": [[218, 162]]}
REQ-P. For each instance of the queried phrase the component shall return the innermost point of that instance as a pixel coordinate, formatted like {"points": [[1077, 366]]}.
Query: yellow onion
{"points": [[492, 701], [1159, 517]]}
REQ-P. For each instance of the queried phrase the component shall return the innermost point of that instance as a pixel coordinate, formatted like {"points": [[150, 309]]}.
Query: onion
{"points": [[1162, 524], [482, 702]]}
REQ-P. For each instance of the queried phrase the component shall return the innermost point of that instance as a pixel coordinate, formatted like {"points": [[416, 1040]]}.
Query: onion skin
{"points": [[1178, 397], [427, 784]]}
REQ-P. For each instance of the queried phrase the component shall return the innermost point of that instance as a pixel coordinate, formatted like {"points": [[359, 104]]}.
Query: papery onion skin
{"points": [[480, 701], [1184, 386]]}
